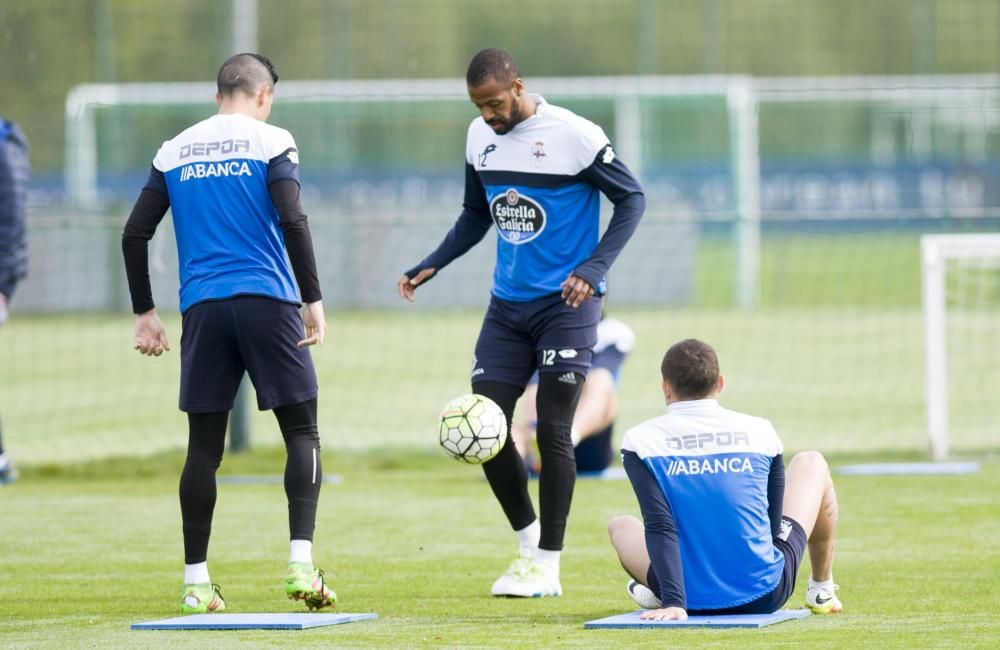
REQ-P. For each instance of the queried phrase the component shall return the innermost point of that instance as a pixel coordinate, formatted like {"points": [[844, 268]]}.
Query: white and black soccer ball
{"points": [[472, 428]]}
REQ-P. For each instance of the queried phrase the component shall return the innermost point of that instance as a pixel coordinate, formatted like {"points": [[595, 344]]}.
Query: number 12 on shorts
{"points": [[548, 357]]}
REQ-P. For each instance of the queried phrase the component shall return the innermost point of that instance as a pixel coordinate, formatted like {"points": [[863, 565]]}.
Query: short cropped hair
{"points": [[491, 64], [246, 72], [691, 367]]}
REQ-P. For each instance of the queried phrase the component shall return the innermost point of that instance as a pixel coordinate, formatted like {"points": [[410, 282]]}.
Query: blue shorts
{"points": [[222, 339], [545, 334], [792, 544]]}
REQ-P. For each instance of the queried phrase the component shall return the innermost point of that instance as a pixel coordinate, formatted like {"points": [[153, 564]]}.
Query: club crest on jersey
{"points": [[518, 218], [538, 153]]}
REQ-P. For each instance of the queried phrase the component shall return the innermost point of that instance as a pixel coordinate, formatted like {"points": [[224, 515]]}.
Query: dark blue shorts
{"points": [[222, 339], [792, 544], [545, 334]]}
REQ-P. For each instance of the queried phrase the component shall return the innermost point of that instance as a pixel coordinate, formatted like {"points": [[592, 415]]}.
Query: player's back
{"points": [[712, 464], [217, 174]]}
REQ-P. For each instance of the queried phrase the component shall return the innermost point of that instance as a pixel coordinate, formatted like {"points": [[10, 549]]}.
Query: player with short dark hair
{"points": [[15, 172], [724, 528], [246, 265], [535, 171]]}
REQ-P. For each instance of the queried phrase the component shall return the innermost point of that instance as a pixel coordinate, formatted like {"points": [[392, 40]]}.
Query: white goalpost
{"points": [[936, 252]]}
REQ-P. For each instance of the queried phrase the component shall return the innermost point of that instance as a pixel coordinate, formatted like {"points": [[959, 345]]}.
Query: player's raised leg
{"points": [[811, 500], [206, 444]]}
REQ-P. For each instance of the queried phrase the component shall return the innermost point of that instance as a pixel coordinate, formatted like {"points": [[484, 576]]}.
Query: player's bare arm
{"points": [[150, 336]]}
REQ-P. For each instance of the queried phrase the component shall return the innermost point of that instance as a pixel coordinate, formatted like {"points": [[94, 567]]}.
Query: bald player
{"points": [[246, 267]]}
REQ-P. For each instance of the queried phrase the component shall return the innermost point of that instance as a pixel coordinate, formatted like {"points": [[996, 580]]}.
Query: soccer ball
{"points": [[472, 428]]}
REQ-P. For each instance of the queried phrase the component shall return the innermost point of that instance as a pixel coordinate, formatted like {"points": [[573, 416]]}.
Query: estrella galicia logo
{"points": [[490, 148], [518, 218]]}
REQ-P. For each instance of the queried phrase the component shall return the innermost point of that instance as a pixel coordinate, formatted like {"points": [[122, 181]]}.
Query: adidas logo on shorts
{"points": [[568, 378]]}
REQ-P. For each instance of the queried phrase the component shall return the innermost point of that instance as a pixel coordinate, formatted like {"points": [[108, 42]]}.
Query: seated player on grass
{"points": [[594, 420], [724, 527]]}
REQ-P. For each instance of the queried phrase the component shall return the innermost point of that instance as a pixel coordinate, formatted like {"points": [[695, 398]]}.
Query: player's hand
{"points": [[407, 285], [665, 614], [575, 290], [150, 338], [315, 322]]}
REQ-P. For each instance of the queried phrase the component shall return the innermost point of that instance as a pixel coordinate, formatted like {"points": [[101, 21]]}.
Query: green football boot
{"points": [[201, 599], [305, 582]]}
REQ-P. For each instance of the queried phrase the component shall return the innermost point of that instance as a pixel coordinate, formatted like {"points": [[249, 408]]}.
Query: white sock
{"points": [[527, 538], [574, 436], [825, 584], [548, 558], [301, 551], [196, 574]]}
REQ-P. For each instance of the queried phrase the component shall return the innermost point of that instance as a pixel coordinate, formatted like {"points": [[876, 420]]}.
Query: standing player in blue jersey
{"points": [[232, 183], [724, 528], [535, 171]]}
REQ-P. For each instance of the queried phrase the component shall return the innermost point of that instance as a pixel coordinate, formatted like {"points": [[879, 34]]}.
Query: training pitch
{"points": [[88, 550]]}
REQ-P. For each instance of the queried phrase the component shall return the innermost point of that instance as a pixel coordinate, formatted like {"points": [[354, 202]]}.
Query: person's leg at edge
{"points": [[303, 480], [811, 500], [206, 445]]}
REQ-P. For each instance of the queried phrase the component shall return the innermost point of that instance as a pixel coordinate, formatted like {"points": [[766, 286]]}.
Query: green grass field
{"points": [[831, 378], [90, 537], [89, 549]]}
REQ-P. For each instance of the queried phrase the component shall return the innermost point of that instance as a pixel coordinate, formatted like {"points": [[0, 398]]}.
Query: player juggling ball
{"points": [[535, 171]]}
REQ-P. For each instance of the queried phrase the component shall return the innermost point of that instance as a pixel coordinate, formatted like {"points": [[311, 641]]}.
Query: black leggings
{"points": [[206, 445], [556, 405]]}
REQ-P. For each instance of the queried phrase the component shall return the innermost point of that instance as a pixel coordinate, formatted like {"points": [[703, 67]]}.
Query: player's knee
{"points": [[620, 525], [811, 463]]}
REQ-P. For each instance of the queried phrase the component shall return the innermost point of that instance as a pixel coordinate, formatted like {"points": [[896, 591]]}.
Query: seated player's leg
{"points": [[595, 453], [206, 444], [522, 428], [598, 405], [628, 537], [811, 500], [594, 421]]}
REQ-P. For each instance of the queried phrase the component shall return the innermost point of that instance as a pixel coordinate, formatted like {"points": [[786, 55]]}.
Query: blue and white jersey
{"points": [[712, 465], [217, 175], [545, 211]]}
